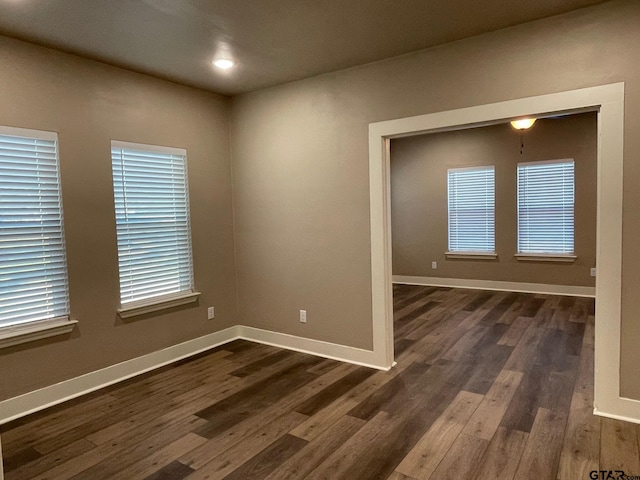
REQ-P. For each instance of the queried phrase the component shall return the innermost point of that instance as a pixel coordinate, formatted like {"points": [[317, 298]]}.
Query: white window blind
{"points": [[545, 207], [33, 269], [471, 198], [152, 221]]}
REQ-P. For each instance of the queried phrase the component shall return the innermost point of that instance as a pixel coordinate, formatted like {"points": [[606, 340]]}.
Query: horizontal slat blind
{"points": [[33, 270], [471, 198], [546, 207], [152, 221]]}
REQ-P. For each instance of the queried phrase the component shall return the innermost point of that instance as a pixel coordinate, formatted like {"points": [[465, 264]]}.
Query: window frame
{"points": [[159, 302], [470, 254], [30, 330], [543, 256]]}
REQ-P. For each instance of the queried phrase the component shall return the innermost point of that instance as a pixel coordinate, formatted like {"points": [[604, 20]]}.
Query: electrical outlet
{"points": [[211, 313], [593, 272], [303, 316], [434, 265]]}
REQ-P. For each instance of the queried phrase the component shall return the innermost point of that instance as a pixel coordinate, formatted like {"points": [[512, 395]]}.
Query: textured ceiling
{"points": [[273, 41]]}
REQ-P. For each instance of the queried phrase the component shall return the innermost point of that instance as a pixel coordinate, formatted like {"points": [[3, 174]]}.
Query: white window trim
{"points": [[11, 335], [150, 148], [27, 132], [472, 255], [545, 257], [552, 161], [159, 303]]}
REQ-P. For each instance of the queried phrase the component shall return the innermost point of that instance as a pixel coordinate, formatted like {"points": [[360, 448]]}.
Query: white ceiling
{"points": [[273, 41]]}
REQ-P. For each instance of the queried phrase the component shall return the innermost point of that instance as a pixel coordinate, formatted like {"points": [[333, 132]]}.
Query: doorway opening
{"points": [[608, 102]]}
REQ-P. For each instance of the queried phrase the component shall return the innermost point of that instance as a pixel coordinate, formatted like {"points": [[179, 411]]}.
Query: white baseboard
{"points": [[626, 409], [37, 400], [319, 348], [568, 290]]}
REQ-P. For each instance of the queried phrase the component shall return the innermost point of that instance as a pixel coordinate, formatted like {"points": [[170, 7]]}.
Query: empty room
{"points": [[298, 239]]}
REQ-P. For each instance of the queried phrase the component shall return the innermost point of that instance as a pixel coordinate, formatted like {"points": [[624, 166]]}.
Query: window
{"points": [[152, 222], [471, 198], [33, 272], [545, 208]]}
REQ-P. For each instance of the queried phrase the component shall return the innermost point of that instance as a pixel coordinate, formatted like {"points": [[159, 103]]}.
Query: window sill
{"points": [[28, 332], [472, 255], [154, 305], [542, 257]]}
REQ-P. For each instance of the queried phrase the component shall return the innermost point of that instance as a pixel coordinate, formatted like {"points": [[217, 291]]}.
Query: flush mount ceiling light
{"points": [[223, 63], [523, 123]]}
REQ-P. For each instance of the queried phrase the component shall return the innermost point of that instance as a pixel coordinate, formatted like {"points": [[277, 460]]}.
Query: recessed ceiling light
{"points": [[223, 63]]}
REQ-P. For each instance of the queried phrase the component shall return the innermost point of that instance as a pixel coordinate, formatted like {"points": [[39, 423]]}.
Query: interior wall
{"points": [[300, 160], [89, 104], [419, 220]]}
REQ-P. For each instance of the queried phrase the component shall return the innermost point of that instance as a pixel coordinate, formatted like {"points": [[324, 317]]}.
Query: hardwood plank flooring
{"points": [[427, 454], [488, 385]]}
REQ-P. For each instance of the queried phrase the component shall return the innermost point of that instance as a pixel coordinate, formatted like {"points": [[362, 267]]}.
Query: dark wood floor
{"points": [[488, 385]]}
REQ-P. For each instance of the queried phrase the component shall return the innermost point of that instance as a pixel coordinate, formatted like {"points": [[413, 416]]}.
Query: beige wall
{"points": [[419, 198], [300, 160], [89, 104]]}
